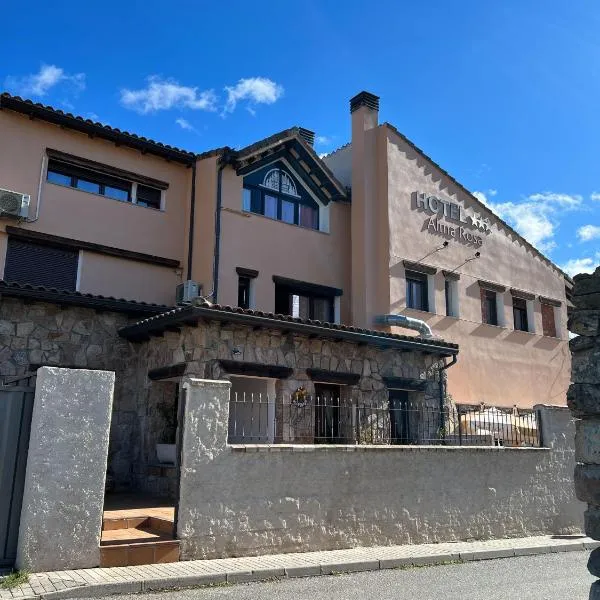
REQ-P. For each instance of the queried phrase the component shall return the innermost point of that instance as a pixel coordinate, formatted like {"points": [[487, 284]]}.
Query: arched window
{"points": [[275, 195]]}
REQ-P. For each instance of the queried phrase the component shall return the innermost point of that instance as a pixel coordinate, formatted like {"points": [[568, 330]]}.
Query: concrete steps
{"points": [[139, 540]]}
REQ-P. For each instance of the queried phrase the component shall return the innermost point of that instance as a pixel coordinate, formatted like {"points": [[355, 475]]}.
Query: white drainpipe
{"points": [[408, 322]]}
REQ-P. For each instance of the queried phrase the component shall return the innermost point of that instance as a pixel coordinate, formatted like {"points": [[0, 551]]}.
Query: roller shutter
{"points": [[39, 264]]}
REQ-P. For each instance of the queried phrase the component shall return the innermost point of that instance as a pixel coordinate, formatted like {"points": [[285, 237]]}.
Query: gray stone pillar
{"points": [[61, 517], [584, 401], [205, 411]]}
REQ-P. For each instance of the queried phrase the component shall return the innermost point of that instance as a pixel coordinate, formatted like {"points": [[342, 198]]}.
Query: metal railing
{"points": [[259, 419]]}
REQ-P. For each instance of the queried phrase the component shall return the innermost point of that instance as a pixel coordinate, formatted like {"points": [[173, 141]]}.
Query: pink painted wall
{"points": [[276, 248], [497, 365], [93, 218]]}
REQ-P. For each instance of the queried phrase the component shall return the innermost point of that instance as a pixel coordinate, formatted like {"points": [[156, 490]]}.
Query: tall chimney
{"points": [[364, 111], [367, 107]]}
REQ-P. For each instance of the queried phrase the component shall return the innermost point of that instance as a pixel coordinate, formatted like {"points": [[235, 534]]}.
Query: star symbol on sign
{"points": [[477, 221]]}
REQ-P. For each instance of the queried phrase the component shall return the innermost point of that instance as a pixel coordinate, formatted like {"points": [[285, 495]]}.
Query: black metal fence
{"points": [[258, 419]]}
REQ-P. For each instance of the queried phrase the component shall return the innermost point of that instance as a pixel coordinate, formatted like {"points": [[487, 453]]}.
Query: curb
{"points": [[231, 577]]}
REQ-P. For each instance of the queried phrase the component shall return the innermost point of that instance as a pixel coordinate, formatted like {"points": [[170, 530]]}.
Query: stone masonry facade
{"points": [[34, 333], [584, 401], [202, 348]]}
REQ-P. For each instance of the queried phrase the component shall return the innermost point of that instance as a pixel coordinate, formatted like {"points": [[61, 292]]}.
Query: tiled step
{"points": [[137, 541]]}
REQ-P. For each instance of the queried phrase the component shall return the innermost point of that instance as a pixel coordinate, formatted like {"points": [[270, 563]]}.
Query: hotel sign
{"points": [[452, 220]]}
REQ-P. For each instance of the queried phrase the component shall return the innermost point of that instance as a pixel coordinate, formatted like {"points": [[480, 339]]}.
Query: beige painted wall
{"points": [[496, 364], [127, 279], [93, 218], [204, 228], [275, 248]]}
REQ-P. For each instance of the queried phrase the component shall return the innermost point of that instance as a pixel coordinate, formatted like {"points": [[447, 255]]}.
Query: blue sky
{"points": [[503, 95]]}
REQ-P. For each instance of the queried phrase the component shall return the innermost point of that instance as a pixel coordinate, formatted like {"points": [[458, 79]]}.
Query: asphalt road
{"points": [[562, 576]]}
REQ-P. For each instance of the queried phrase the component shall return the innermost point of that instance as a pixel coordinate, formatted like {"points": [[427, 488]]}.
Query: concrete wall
{"points": [[61, 516], [248, 500]]}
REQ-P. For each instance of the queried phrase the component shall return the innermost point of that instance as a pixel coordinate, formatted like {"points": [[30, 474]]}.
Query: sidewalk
{"points": [[128, 580]]}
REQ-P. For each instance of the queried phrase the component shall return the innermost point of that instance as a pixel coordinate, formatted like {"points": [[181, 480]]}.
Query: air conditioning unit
{"points": [[187, 291], [14, 204]]}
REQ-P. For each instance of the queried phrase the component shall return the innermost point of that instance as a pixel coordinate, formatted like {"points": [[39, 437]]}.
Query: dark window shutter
{"points": [[548, 323], [38, 264]]}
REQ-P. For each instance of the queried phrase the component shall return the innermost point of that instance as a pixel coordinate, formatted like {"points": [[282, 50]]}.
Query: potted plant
{"points": [[166, 449]]}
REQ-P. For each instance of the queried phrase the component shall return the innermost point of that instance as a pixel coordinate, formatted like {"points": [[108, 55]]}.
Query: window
{"points": [[246, 279], [275, 196], [147, 196], [489, 307], [548, 320], [416, 291], [305, 302], [451, 293], [520, 314], [38, 264], [95, 182], [244, 292]]}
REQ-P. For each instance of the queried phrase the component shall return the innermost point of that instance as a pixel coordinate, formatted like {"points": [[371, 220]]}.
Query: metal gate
{"points": [[16, 405]]}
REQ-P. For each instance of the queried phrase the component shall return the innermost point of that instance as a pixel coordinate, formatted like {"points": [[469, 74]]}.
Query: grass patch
{"points": [[14, 579], [443, 563]]}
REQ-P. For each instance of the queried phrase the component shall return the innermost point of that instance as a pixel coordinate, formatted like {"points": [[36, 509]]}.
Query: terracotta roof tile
{"points": [[57, 296], [204, 309]]}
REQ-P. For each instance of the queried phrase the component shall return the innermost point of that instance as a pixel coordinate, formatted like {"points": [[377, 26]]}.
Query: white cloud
{"points": [[564, 200], [482, 198], [595, 196], [39, 84], [588, 232], [581, 265], [165, 94], [323, 140], [185, 124], [322, 154], [535, 217], [255, 90], [492, 193]]}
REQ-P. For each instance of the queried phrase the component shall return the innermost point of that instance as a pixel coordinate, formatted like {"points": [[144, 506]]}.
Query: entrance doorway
{"points": [[327, 413], [398, 403]]}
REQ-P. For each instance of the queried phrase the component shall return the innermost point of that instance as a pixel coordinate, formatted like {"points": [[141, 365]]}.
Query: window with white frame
{"points": [[451, 295], [275, 194], [523, 311]]}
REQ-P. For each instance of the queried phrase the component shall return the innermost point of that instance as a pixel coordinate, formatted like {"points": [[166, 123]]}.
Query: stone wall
{"points": [[49, 334], [34, 333], [250, 500], [202, 347], [584, 401]]}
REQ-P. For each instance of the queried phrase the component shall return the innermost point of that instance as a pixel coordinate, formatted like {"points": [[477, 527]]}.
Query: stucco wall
{"points": [[93, 218], [498, 365], [63, 497], [277, 248], [249, 500], [121, 278]]}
